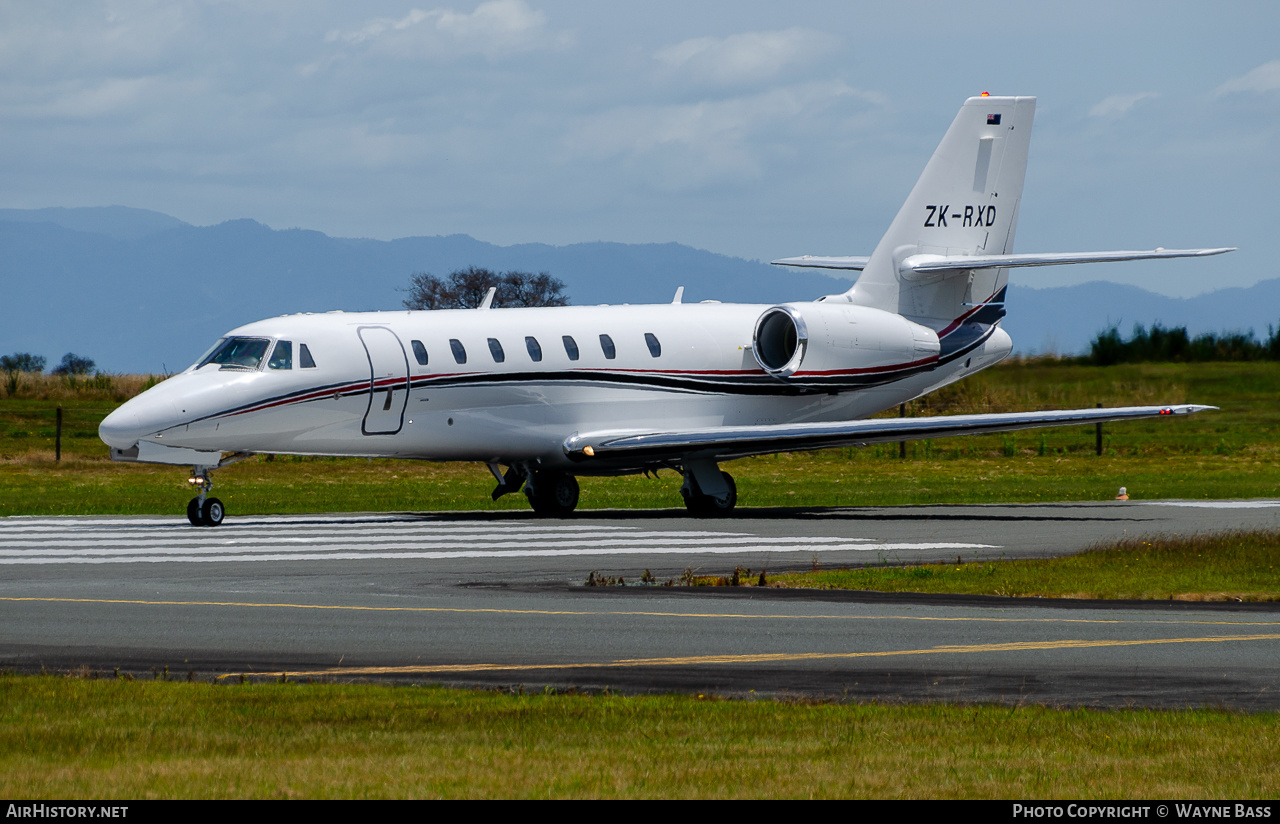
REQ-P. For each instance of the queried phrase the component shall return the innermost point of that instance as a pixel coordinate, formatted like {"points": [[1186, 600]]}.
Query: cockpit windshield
{"points": [[237, 353]]}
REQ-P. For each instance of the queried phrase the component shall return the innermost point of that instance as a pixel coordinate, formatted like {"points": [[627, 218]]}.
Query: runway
{"points": [[498, 599]]}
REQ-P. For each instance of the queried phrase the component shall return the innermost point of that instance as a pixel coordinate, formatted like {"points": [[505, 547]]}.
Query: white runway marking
{"points": [[26, 541], [339, 542], [1216, 504]]}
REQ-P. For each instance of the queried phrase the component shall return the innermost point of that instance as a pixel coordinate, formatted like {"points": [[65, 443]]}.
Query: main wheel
{"points": [[553, 494], [212, 512], [708, 506], [193, 512]]}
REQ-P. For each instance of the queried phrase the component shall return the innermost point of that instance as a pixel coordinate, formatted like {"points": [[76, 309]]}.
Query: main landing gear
{"points": [[708, 492], [551, 494]]}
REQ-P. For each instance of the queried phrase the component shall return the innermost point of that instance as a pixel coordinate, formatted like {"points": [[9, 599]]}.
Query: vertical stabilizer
{"points": [[965, 203]]}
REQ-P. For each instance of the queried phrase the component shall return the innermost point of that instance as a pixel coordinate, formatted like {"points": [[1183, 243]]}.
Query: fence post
{"points": [[902, 445], [1098, 427]]}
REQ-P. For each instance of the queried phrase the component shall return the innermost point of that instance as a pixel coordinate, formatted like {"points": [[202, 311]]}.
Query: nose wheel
{"points": [[209, 512], [203, 510]]}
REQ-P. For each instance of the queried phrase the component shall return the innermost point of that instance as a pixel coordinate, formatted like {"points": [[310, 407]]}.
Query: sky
{"points": [[753, 129]]}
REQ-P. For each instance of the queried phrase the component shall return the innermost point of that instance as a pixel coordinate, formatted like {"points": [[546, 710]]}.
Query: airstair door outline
{"points": [[388, 381]]}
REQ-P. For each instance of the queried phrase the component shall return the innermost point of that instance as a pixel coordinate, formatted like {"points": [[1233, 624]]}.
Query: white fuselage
{"points": [[673, 366]]}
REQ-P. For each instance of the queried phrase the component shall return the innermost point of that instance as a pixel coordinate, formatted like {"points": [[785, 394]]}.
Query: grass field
{"points": [[66, 738], [1233, 567], [1227, 454]]}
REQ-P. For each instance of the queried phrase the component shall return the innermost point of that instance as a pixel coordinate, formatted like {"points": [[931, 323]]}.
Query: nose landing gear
{"points": [[203, 510]]}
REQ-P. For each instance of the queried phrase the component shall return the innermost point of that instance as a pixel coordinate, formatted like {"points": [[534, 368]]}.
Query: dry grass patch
{"points": [[101, 386]]}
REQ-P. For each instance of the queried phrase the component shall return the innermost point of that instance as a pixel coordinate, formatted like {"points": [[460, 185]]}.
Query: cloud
{"points": [[84, 100], [1265, 78], [1118, 105], [745, 58], [686, 146], [377, 27], [45, 42], [495, 29]]}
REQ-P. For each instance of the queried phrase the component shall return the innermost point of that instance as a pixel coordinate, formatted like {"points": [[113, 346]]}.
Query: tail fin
{"points": [[965, 203]]}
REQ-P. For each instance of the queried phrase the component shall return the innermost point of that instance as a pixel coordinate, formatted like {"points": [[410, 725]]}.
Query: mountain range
{"points": [[140, 291]]}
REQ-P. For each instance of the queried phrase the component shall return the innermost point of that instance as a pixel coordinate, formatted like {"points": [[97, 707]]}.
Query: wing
{"points": [[632, 447]]}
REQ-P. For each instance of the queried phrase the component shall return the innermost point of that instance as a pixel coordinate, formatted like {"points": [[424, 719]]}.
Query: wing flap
{"points": [[728, 442]]}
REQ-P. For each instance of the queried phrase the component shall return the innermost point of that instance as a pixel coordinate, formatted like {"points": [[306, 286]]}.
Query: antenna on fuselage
{"points": [[679, 295], [488, 298]]}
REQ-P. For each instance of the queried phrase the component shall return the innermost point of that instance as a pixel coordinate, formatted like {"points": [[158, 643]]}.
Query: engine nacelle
{"points": [[841, 345]]}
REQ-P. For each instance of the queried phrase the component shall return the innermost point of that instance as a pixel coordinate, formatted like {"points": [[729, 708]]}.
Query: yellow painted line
{"points": [[625, 613], [758, 658]]}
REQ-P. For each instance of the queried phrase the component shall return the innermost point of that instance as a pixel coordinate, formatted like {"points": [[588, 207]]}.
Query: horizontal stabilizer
{"points": [[813, 262], [729, 442], [944, 263]]}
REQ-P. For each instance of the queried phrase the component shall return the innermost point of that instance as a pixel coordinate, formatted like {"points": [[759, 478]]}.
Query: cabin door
{"points": [[388, 381]]}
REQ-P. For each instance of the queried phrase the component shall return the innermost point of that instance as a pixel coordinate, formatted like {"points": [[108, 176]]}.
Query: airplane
{"points": [[545, 395]]}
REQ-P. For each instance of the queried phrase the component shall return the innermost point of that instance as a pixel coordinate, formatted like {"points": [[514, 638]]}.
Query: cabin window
{"points": [[304, 357], [282, 355], [459, 351], [535, 351], [606, 346], [570, 347], [495, 349], [419, 352], [655, 348], [238, 353]]}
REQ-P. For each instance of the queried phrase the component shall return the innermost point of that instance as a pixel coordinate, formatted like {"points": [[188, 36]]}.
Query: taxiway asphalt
{"points": [[498, 599]]}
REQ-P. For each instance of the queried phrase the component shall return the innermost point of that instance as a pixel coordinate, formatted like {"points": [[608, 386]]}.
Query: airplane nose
{"points": [[134, 420], [121, 429]]}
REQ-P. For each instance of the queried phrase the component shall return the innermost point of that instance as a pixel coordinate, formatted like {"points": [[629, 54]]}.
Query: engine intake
{"points": [[780, 339], [841, 345]]}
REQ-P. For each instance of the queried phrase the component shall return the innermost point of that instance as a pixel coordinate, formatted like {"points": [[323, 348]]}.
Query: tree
{"points": [[22, 362], [1175, 345], [73, 364], [466, 288]]}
